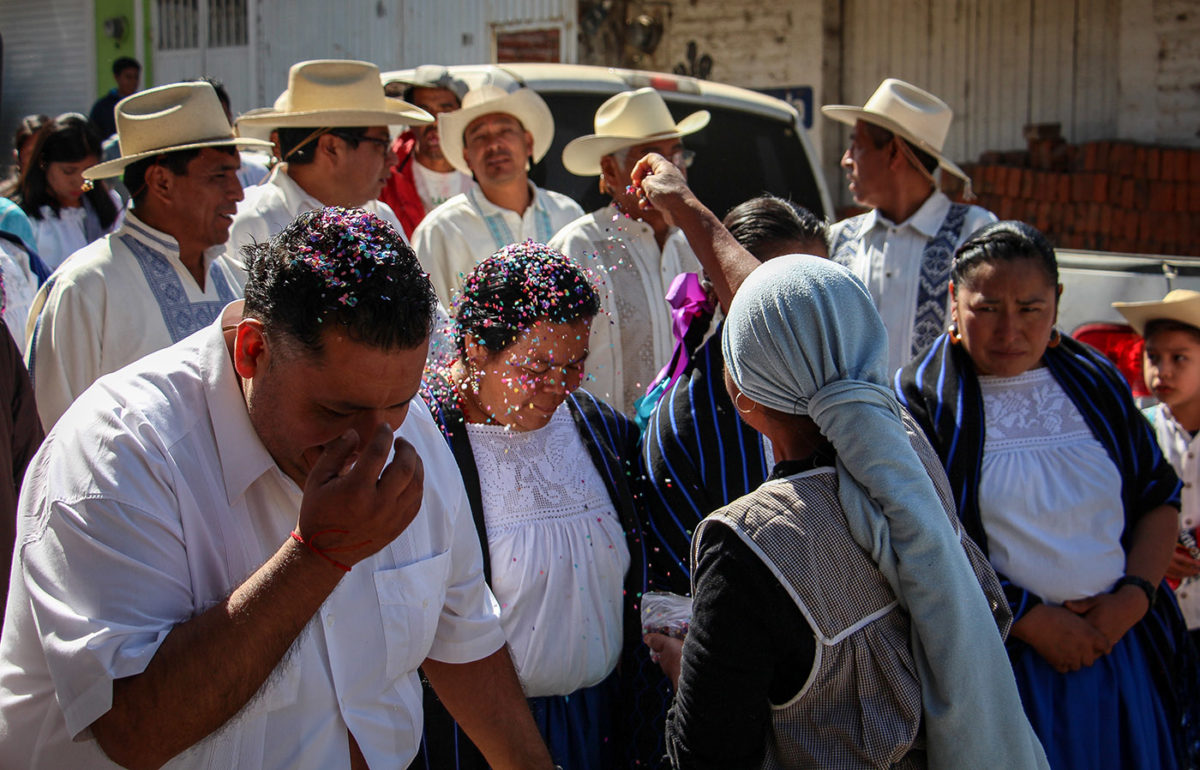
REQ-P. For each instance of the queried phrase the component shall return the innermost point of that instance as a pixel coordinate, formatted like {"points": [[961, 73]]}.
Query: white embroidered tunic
{"points": [[469, 228], [1049, 496], [118, 299], [558, 553]]}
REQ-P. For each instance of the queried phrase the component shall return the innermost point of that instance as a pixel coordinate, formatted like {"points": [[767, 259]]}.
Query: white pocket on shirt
{"points": [[410, 605]]}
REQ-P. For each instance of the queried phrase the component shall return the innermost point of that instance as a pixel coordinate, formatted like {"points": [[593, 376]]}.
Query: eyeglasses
{"points": [[354, 140]]}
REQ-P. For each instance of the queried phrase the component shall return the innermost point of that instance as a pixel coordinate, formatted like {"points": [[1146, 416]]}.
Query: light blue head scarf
{"points": [[803, 337]]}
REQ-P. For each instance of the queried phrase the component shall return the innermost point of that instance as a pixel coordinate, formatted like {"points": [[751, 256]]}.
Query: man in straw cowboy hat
{"points": [[159, 277], [903, 248], [236, 552], [334, 147], [1171, 367], [422, 178], [494, 137], [635, 254]]}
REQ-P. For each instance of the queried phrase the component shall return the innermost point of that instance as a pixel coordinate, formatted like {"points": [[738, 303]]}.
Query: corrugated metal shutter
{"points": [[49, 60], [998, 65], [291, 31]]}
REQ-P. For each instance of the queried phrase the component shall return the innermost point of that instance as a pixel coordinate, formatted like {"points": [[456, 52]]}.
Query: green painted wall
{"points": [[109, 50]]}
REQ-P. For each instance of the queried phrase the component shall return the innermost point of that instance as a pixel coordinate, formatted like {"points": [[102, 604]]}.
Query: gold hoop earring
{"points": [[737, 405], [1055, 337], [955, 336]]}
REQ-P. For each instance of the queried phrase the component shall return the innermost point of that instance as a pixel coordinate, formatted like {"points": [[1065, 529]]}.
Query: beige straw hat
{"points": [[524, 104], [180, 116], [627, 119], [334, 93], [1182, 305], [913, 114]]}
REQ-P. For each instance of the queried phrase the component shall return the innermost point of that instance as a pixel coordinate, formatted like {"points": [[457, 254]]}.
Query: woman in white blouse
{"points": [[65, 216], [1059, 479], [547, 469]]}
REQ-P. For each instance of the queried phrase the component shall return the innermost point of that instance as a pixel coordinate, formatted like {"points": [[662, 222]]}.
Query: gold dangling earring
{"points": [[1055, 337], [952, 330], [737, 404]]}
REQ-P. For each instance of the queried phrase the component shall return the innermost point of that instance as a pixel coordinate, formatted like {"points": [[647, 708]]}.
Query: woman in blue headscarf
{"points": [[838, 615]]}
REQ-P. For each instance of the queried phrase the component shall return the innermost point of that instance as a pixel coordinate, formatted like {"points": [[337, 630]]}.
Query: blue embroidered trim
{"points": [[501, 235], [845, 246], [181, 316], [934, 278]]}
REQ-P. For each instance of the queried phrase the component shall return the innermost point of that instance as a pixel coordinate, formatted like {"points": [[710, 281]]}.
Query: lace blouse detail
{"points": [[557, 550], [1049, 495]]}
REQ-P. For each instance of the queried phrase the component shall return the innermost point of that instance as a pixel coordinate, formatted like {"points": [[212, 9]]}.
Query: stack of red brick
{"points": [[1108, 196]]}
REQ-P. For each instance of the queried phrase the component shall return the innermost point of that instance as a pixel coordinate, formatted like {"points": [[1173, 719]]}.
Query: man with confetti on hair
{"points": [[227, 554]]}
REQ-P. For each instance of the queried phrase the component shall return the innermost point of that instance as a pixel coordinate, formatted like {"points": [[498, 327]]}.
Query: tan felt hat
{"points": [[630, 118], [524, 104], [180, 116], [1182, 305], [334, 93], [911, 113]]}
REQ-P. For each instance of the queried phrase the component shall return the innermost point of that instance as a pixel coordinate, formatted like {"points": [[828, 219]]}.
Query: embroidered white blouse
{"points": [[558, 553], [1049, 496]]}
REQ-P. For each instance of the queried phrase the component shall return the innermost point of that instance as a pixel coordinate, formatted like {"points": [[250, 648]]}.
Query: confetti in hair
{"points": [[518, 286], [344, 267], [363, 247]]}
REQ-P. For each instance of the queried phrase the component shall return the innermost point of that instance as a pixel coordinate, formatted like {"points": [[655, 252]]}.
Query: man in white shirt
{"points": [[157, 278], [226, 557], [495, 136], [903, 248], [422, 178], [633, 255], [334, 148]]}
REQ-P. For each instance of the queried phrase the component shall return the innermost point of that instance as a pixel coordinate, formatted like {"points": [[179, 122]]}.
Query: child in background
{"points": [[1171, 366]]}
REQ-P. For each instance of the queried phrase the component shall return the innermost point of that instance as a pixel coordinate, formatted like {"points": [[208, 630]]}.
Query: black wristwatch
{"points": [[1146, 587]]}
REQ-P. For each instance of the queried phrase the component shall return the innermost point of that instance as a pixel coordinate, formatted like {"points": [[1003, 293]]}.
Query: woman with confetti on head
{"points": [[547, 470]]}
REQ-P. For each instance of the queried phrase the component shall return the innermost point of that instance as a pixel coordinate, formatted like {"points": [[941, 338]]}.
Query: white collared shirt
{"points": [[631, 337], [1181, 450], [270, 207], [114, 301], [150, 503], [469, 228], [888, 260]]}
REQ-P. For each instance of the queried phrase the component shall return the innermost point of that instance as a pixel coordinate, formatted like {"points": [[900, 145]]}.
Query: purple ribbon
{"points": [[688, 300]]}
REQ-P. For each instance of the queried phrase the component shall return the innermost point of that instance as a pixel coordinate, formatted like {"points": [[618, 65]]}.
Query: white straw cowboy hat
{"points": [[335, 93], [1182, 305], [523, 104], [181, 116], [630, 118], [913, 114]]}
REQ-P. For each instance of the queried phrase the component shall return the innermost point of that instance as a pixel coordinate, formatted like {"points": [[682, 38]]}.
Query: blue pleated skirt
{"points": [[579, 728], [1106, 716]]}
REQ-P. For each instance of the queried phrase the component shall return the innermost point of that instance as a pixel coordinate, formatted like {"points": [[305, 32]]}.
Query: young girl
{"points": [[65, 217], [1171, 366]]}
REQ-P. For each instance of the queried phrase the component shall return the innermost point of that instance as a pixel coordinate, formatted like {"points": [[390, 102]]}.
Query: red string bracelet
{"points": [[324, 554]]}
